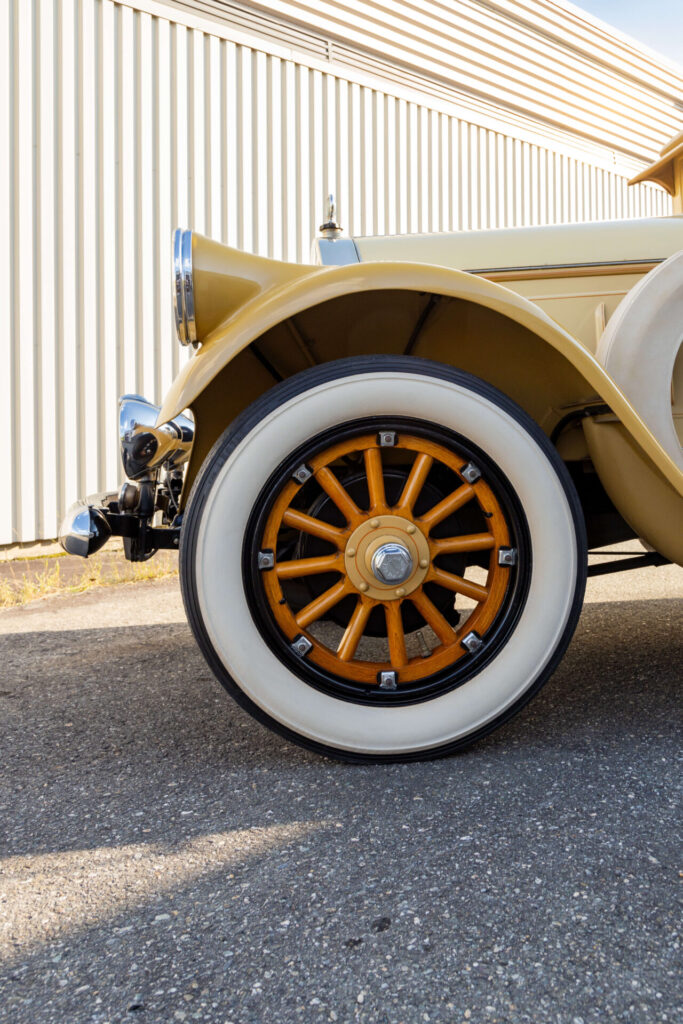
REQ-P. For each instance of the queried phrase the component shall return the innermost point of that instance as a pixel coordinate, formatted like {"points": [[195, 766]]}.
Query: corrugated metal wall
{"points": [[541, 58], [117, 123]]}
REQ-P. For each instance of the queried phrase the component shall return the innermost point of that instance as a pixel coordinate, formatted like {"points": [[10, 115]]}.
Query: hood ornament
{"points": [[332, 248], [329, 228]]}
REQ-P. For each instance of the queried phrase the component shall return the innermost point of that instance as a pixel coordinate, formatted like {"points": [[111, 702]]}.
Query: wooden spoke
{"points": [[397, 640], [354, 631], [373, 471], [433, 617], [322, 604], [415, 482], [459, 585], [339, 495], [316, 527], [450, 504], [309, 566], [467, 542]]}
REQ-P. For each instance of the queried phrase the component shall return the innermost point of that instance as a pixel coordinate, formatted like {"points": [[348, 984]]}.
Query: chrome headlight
{"points": [[183, 287], [146, 446]]}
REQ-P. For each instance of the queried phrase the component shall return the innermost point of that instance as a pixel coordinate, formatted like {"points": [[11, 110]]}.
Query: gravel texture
{"points": [[165, 858]]}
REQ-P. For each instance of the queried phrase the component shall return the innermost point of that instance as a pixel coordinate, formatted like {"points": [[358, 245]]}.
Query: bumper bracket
{"points": [[89, 524]]}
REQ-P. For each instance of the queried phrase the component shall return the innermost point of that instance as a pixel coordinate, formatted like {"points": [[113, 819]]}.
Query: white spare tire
{"points": [[641, 349]]}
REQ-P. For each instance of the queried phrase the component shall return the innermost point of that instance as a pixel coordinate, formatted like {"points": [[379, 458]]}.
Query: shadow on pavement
{"points": [[117, 715], [248, 879]]}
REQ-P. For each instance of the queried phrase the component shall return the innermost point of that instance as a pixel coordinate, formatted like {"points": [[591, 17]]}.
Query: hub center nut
{"points": [[391, 563]]}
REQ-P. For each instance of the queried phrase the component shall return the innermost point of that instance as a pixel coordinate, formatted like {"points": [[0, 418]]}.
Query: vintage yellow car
{"points": [[385, 471]]}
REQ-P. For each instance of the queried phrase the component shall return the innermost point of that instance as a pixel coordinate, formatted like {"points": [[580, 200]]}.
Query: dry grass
{"points": [[42, 577]]}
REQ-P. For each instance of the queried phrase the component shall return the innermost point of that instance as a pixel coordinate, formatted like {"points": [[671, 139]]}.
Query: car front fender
{"points": [[278, 304]]}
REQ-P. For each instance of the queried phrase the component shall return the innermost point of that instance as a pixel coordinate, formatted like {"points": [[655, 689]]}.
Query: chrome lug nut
{"points": [[387, 680], [301, 646], [302, 474], [265, 560], [472, 642], [471, 472], [507, 556], [392, 563], [387, 438]]}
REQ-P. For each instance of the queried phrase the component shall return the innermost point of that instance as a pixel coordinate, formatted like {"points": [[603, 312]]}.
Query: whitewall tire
{"points": [[356, 640]]}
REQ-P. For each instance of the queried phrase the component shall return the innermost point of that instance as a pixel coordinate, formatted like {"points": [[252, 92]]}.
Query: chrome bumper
{"points": [[151, 456]]}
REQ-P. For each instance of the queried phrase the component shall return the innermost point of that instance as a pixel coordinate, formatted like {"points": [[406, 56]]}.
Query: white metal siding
{"points": [[539, 59], [120, 120]]}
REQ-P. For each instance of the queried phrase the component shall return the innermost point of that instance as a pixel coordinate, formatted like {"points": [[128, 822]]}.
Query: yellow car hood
{"points": [[566, 245]]}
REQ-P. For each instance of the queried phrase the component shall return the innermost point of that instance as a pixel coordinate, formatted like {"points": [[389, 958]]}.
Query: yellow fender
{"points": [[278, 291]]}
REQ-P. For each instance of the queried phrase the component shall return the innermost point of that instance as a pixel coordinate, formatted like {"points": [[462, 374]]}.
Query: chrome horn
{"points": [[146, 446]]}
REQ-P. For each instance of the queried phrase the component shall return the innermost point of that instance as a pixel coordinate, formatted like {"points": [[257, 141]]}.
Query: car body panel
{"points": [[554, 249], [319, 285], [577, 273], [523, 308]]}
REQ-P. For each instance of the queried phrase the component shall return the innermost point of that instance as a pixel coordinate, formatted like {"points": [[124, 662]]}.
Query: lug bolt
{"points": [[265, 560], [374, 523], [363, 586], [401, 592], [470, 472], [302, 474], [410, 528], [350, 552], [507, 556], [472, 642], [302, 646], [424, 562]]}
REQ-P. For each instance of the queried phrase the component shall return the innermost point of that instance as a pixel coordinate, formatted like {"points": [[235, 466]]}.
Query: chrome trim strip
{"points": [[580, 269], [183, 287]]}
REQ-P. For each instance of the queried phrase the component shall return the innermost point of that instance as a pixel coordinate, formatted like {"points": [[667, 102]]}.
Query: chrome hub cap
{"points": [[391, 563]]}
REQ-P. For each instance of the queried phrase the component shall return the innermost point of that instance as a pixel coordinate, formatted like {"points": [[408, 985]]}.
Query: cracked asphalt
{"points": [[165, 858]]}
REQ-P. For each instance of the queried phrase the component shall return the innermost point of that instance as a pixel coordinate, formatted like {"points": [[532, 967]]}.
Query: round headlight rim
{"points": [[183, 287]]}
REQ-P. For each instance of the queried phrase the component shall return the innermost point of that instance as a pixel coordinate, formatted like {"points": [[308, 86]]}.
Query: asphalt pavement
{"points": [[165, 858]]}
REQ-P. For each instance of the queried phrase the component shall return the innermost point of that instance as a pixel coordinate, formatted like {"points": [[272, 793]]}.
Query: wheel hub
{"points": [[387, 557]]}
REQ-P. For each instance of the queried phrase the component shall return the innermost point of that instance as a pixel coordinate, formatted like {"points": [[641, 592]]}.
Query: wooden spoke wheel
{"points": [[384, 553], [383, 558]]}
